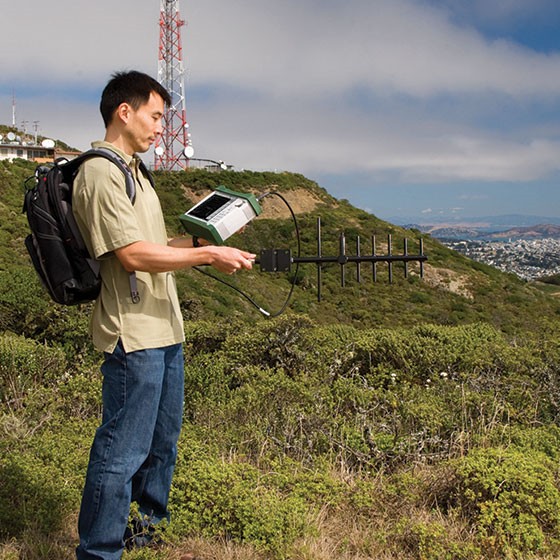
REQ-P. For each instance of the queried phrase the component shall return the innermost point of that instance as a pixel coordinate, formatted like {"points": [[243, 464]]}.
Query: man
{"points": [[134, 450]]}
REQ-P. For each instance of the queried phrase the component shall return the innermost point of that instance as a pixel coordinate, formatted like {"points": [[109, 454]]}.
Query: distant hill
{"points": [[480, 223], [538, 231]]}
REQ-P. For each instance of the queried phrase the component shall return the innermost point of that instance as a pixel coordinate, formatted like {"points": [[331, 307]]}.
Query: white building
{"points": [[13, 147]]}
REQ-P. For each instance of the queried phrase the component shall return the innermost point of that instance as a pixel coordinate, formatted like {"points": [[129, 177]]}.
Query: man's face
{"points": [[144, 124]]}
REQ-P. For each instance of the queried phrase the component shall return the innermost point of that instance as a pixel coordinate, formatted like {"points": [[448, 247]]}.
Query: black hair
{"points": [[131, 87]]}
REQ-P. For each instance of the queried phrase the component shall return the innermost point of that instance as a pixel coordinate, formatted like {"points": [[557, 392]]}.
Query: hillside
{"points": [[30, 137], [454, 289], [412, 420]]}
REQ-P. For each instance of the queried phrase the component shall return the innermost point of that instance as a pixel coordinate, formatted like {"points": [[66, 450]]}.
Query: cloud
{"points": [[75, 43], [413, 148], [399, 88], [473, 196], [295, 47], [403, 46]]}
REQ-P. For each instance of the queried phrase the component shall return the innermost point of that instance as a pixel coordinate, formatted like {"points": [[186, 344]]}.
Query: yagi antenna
{"points": [[281, 260], [223, 212]]}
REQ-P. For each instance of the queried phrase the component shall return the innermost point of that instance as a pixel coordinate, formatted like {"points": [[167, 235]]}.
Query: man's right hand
{"points": [[151, 257], [229, 259]]}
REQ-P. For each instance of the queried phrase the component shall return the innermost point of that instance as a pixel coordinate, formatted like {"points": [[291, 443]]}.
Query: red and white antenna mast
{"points": [[174, 148]]}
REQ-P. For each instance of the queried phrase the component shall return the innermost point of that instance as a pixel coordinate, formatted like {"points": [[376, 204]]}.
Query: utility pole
{"points": [[13, 109], [36, 128], [173, 149]]}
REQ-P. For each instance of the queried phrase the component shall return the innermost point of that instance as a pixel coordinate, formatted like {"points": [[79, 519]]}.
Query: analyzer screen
{"points": [[209, 206]]}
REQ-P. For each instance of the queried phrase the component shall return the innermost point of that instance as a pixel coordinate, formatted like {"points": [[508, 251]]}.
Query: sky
{"points": [[431, 109]]}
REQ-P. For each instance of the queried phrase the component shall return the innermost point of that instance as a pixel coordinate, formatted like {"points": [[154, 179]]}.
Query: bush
{"points": [[32, 497], [23, 303], [26, 309], [371, 398], [26, 366], [513, 500], [430, 540], [235, 501]]}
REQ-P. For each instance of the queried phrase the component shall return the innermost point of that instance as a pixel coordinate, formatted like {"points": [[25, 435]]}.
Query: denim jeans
{"points": [[134, 450]]}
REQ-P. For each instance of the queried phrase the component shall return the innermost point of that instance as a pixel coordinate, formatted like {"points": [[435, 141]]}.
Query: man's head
{"points": [[132, 106], [133, 88]]}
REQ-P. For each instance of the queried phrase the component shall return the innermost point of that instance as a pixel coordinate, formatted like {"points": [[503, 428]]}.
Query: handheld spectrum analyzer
{"points": [[221, 214]]}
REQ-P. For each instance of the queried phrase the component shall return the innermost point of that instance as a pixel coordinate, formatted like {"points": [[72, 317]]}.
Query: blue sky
{"points": [[421, 108]]}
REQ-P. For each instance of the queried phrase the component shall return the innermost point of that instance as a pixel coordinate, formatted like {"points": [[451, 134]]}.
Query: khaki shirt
{"points": [[108, 220]]}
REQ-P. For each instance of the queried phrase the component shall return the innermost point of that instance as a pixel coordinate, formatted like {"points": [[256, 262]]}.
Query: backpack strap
{"points": [[130, 190], [120, 163], [146, 172]]}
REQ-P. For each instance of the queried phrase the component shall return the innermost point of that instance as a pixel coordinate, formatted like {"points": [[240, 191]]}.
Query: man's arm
{"points": [[146, 256]]}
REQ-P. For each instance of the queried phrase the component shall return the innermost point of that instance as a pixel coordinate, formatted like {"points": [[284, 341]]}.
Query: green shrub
{"points": [[235, 501], [32, 497], [544, 439], [26, 366], [425, 351], [430, 540], [42, 470], [373, 398], [513, 500], [23, 302], [26, 309], [275, 344]]}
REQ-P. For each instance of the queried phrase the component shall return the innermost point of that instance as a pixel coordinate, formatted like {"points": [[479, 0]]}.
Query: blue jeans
{"points": [[134, 451]]}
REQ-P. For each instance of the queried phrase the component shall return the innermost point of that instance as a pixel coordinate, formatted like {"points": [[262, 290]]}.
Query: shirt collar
{"points": [[130, 160]]}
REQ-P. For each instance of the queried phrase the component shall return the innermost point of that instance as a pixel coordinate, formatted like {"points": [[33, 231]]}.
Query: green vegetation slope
{"points": [[414, 420], [454, 290]]}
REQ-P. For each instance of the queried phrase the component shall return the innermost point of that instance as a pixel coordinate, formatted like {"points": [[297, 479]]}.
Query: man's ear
{"points": [[123, 112]]}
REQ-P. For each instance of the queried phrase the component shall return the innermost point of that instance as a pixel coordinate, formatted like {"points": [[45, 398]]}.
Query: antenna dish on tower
{"points": [[47, 143]]}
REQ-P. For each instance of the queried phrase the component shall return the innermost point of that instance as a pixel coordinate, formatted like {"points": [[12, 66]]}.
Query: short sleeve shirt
{"points": [[109, 220]]}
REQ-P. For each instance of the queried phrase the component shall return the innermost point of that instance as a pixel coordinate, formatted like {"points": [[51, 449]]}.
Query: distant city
{"points": [[530, 259], [527, 246]]}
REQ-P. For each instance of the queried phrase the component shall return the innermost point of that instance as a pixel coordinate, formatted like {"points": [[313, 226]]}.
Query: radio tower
{"points": [[174, 148]]}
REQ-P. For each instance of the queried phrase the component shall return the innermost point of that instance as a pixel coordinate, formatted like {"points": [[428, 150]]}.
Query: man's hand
{"points": [[179, 253], [229, 259]]}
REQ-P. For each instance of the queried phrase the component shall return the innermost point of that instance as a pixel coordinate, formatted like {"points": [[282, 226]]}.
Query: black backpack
{"points": [[56, 246]]}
